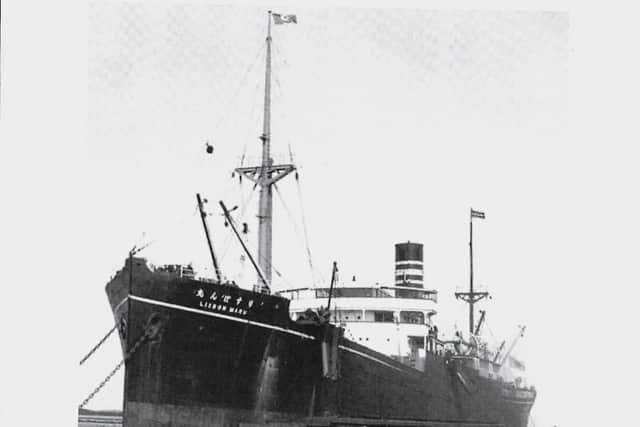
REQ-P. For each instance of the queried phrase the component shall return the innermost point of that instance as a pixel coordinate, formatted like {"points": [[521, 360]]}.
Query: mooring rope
{"points": [[95, 348]]}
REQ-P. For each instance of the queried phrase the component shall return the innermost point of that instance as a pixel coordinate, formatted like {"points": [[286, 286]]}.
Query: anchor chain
{"points": [[150, 333], [93, 350]]}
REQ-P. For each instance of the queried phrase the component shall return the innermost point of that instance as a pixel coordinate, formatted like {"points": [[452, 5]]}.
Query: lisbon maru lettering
{"points": [[223, 302]]}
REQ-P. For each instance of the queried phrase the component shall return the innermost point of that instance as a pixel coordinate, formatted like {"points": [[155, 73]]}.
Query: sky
{"points": [[399, 120]]}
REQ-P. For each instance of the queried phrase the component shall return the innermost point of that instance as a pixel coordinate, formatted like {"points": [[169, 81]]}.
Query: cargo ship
{"points": [[204, 351]]}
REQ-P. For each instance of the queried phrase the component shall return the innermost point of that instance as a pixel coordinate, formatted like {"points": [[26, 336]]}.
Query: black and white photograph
{"points": [[340, 214], [316, 213]]}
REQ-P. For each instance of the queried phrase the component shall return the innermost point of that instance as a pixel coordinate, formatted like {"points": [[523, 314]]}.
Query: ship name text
{"points": [[224, 302]]}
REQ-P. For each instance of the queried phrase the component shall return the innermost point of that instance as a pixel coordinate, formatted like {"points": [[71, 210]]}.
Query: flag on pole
{"points": [[477, 214], [279, 19]]}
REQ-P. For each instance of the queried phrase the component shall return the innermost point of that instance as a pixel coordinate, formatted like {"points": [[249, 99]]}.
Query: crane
{"points": [[482, 313], [513, 344]]}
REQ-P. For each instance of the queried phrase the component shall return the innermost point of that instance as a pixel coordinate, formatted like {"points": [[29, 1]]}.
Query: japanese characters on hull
{"points": [[232, 301], [224, 302]]}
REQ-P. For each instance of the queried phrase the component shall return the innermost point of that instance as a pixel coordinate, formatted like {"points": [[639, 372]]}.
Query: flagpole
{"points": [[472, 296], [471, 271]]}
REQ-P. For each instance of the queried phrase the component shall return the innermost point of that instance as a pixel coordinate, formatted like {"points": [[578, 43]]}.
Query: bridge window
{"points": [[412, 317], [353, 293], [347, 293], [383, 316]]}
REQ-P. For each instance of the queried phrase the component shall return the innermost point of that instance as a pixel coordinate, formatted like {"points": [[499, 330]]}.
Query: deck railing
{"points": [[363, 292]]}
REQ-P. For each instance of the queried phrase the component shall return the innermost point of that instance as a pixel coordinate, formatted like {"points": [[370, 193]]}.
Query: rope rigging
{"points": [[297, 230], [234, 97], [247, 132], [227, 242], [113, 371], [243, 210], [93, 350], [165, 234], [150, 332], [314, 272], [276, 66], [280, 94], [278, 273]]}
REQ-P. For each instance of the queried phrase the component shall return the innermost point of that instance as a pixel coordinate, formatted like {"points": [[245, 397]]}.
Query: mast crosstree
{"points": [[265, 176]]}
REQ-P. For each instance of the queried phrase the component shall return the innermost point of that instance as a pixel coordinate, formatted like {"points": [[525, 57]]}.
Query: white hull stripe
{"points": [[222, 316], [365, 355], [115, 310], [260, 324]]}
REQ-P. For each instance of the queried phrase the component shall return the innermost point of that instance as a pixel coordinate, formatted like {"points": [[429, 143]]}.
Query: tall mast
{"points": [[471, 297], [265, 210], [471, 301], [266, 124], [266, 175]]}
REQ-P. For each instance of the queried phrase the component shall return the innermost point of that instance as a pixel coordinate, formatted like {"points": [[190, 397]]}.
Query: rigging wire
{"points": [[244, 203], [289, 213], [278, 55], [297, 229], [273, 267], [295, 225], [248, 131], [227, 240], [314, 271], [158, 238], [279, 274], [166, 237], [139, 245], [227, 108], [230, 105], [279, 96], [279, 92]]}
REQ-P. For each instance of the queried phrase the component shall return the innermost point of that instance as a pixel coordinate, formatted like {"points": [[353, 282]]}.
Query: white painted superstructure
{"points": [[377, 316], [397, 320]]}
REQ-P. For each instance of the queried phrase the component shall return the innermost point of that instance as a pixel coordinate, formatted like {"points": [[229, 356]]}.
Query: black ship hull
{"points": [[203, 354]]}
